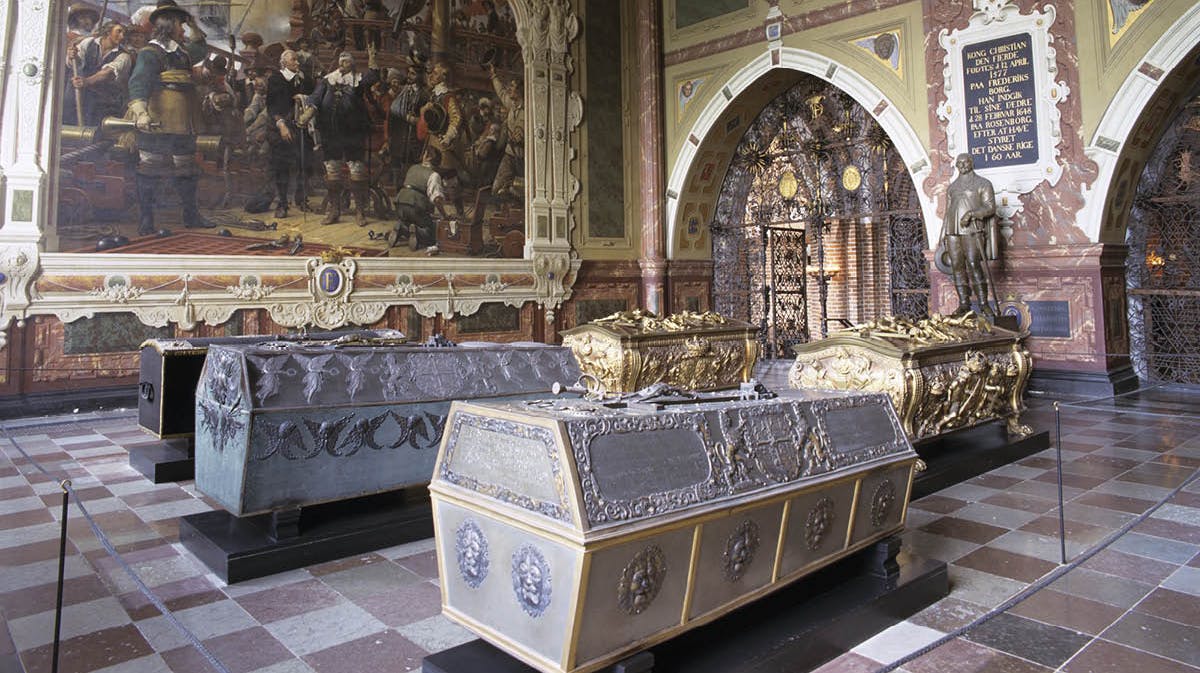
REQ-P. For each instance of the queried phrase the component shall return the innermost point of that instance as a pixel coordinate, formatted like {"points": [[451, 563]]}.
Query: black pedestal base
{"points": [[165, 460], [239, 549], [964, 454], [798, 628]]}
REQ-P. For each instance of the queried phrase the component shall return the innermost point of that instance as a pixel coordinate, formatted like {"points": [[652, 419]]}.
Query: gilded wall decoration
{"points": [[1121, 15], [885, 48]]}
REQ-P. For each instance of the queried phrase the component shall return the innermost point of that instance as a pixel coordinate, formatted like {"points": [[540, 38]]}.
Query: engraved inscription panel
{"points": [[629, 465], [852, 429], [492, 457], [1001, 101]]}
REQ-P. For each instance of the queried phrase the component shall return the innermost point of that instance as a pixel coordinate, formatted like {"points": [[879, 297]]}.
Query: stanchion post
{"points": [[1062, 524], [62, 565]]}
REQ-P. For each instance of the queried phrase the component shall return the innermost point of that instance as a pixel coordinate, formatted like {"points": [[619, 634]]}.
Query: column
{"points": [[439, 23], [650, 164]]}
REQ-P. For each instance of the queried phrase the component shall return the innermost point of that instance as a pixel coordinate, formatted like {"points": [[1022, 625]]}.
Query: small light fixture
{"points": [[788, 185]]}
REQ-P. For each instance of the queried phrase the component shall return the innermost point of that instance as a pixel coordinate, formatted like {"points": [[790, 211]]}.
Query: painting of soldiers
{"points": [[287, 91], [344, 122], [445, 124], [216, 145], [100, 68], [512, 163], [401, 144], [165, 108]]}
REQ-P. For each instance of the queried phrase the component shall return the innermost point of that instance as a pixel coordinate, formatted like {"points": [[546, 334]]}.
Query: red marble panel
{"points": [[1048, 217]]}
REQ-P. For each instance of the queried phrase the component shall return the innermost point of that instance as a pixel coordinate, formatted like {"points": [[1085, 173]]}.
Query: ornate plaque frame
{"points": [[997, 19], [192, 289]]}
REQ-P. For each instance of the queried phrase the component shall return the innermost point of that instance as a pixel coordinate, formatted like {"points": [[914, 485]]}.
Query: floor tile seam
{"points": [[999, 651], [1135, 648], [1157, 616], [1130, 610]]}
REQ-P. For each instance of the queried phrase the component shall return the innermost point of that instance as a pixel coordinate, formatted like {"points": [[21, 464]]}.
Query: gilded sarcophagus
{"points": [[942, 373], [631, 350], [572, 533], [285, 425]]}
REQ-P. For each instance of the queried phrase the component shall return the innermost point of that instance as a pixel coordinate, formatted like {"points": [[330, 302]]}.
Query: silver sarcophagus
{"points": [[572, 533], [286, 425]]}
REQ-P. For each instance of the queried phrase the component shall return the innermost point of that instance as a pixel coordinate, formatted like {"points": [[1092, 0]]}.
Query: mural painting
{"points": [[292, 127]]}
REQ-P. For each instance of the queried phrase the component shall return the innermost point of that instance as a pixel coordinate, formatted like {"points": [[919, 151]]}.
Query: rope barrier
{"points": [[1037, 586], [116, 556], [1058, 572]]}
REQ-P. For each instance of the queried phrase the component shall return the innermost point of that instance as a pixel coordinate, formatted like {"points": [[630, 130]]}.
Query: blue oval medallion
{"points": [[330, 280]]}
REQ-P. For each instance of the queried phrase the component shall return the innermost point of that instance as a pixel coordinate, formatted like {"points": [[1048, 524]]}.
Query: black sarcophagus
{"points": [[287, 425], [170, 370]]}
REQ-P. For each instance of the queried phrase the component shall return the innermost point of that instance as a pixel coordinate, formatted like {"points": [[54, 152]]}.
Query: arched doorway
{"points": [[1163, 266], [818, 224]]}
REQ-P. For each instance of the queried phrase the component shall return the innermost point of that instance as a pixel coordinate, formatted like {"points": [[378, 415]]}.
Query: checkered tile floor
{"points": [[1135, 607]]}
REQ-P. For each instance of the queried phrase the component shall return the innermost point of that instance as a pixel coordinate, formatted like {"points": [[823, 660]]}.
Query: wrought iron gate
{"points": [[785, 322], [815, 173], [1163, 266]]}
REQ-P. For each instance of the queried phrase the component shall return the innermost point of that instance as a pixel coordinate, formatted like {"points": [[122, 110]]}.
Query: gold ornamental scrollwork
{"points": [[645, 321], [941, 373], [630, 350]]}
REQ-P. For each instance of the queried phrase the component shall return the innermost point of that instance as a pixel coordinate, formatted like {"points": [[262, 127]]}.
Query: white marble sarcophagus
{"points": [[572, 533], [286, 425]]}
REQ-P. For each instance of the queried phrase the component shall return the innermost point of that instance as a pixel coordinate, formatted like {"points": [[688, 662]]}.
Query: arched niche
{"points": [[714, 135], [1128, 129], [188, 289]]}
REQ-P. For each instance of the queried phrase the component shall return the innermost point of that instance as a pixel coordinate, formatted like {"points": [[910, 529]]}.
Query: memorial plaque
{"points": [[627, 465], [1001, 101], [1050, 319], [856, 428]]}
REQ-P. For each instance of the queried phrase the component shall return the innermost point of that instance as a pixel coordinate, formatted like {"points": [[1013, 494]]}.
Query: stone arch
{"points": [[700, 136], [1137, 94]]}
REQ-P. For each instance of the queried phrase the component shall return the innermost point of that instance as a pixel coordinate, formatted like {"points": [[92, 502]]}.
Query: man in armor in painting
{"points": [[165, 107], [344, 123]]}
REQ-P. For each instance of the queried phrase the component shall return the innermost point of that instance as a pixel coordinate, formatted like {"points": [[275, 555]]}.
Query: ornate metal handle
{"points": [[146, 391]]}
